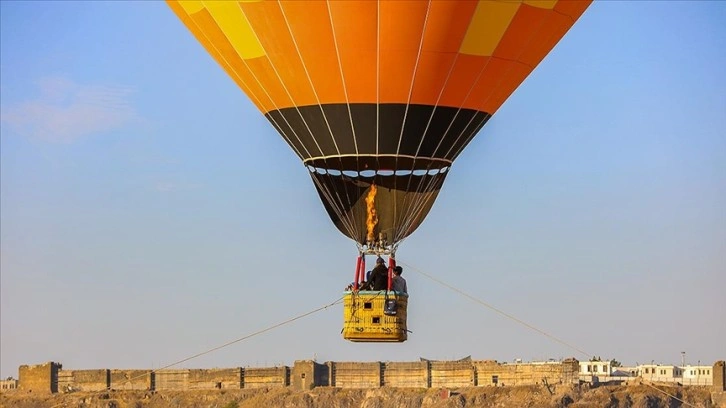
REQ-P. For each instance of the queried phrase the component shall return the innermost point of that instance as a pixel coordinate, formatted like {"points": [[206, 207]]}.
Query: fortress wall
{"points": [[267, 377], [406, 375], [171, 380], [719, 376], [39, 378], [219, 378], [130, 379], [82, 380], [322, 374], [491, 373], [307, 374], [449, 374], [356, 375]]}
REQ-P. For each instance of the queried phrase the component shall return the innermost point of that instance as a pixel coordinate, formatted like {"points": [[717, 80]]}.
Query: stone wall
{"points": [[719, 376], [40, 378], [406, 375], [451, 374], [130, 379], [491, 373], [82, 380], [356, 375], [219, 378], [170, 380], [268, 377], [322, 374], [307, 374]]}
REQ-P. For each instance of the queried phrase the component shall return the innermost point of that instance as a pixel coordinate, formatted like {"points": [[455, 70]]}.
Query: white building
{"points": [[658, 372], [697, 375], [9, 384], [600, 368], [688, 375]]}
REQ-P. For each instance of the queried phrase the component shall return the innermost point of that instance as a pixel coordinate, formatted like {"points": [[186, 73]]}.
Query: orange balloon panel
{"points": [[298, 53]]}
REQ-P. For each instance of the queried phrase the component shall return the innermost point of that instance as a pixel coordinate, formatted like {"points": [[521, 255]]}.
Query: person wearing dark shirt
{"points": [[379, 275]]}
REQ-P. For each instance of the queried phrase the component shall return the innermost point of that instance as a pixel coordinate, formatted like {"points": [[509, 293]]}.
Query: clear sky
{"points": [[149, 212]]}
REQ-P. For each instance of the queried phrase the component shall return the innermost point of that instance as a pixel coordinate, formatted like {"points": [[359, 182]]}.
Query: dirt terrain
{"points": [[633, 396]]}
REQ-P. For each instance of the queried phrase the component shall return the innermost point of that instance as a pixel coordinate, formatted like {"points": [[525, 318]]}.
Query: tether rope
{"points": [[229, 343], [501, 312], [522, 322], [338, 301]]}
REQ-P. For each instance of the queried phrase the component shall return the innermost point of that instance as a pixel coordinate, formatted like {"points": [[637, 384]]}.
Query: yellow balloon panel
{"points": [[237, 29], [487, 27]]}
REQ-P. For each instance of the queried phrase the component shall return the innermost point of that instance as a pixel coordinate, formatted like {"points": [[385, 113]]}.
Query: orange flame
{"points": [[372, 218]]}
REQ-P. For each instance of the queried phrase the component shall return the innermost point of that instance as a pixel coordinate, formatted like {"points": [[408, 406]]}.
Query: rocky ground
{"points": [[632, 396]]}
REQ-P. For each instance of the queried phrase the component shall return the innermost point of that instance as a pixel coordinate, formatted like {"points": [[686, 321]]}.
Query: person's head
{"points": [[398, 270], [380, 261]]}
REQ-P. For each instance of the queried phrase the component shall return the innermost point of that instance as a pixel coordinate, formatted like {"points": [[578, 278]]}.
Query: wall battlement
{"points": [[307, 374]]}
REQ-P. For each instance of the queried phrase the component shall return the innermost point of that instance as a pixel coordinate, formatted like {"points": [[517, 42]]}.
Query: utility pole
{"points": [[683, 359]]}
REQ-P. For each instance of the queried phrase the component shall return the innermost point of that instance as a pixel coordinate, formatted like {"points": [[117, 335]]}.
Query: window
{"points": [[495, 379]]}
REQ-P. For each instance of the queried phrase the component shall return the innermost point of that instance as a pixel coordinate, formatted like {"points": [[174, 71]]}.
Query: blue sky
{"points": [[150, 212]]}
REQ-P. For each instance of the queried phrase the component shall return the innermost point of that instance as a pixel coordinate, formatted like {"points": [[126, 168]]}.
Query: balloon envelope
{"points": [[378, 93]]}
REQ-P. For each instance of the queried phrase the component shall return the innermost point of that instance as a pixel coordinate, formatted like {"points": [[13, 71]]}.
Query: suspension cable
{"points": [[275, 326], [540, 331], [501, 312], [245, 337]]}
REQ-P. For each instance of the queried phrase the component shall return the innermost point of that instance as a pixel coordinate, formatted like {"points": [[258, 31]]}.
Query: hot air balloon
{"points": [[378, 98]]}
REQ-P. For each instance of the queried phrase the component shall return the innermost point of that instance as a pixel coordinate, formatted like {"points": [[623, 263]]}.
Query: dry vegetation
{"points": [[633, 396]]}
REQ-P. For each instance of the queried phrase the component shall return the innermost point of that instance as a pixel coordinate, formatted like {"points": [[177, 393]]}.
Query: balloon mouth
{"points": [[381, 164], [375, 173]]}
